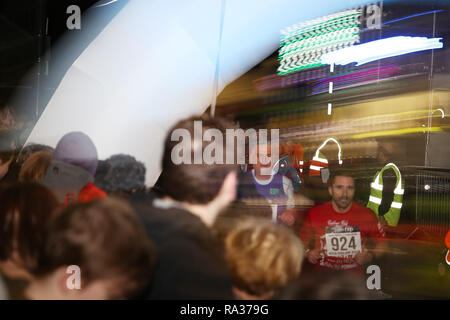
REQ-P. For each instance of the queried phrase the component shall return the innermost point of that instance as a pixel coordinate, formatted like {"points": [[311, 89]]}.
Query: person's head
{"points": [[266, 154], [25, 209], [77, 149], [262, 256], [30, 149], [122, 174], [35, 167], [327, 285], [108, 245], [342, 189], [198, 184], [7, 151], [263, 153]]}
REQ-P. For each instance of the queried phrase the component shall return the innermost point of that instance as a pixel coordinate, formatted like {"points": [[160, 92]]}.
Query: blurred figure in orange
{"points": [[441, 266]]}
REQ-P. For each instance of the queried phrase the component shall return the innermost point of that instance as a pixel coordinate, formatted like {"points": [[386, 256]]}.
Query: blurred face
{"points": [[4, 167], [263, 157], [264, 154], [342, 191]]}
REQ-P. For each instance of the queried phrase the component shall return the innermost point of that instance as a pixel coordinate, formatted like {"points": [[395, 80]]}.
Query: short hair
{"points": [[25, 209], [121, 173], [340, 172], [193, 183], [327, 285], [105, 239], [35, 167], [262, 256]]}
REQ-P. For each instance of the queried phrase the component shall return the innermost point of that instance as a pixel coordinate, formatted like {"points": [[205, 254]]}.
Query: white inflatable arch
{"points": [[155, 63]]}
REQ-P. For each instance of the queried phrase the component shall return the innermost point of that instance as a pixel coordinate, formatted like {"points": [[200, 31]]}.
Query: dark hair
{"points": [[327, 285], [8, 145], [194, 183], [105, 239], [120, 173], [25, 209], [340, 172]]}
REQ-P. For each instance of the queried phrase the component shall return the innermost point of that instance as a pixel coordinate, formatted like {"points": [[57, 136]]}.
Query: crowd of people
{"points": [[74, 227]]}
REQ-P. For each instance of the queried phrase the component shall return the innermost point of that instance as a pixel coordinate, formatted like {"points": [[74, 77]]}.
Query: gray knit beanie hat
{"points": [[77, 149]]}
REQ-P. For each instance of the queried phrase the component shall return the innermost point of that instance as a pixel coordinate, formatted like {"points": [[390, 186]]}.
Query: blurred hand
{"points": [[287, 218], [314, 255], [363, 258]]}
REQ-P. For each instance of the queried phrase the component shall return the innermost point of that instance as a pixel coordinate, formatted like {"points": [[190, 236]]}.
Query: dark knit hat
{"points": [[77, 149], [123, 173]]}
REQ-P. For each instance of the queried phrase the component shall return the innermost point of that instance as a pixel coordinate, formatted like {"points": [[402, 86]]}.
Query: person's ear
{"points": [[330, 190]]}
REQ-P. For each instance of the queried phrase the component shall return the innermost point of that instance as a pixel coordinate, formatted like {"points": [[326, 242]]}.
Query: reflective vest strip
{"points": [[376, 186], [323, 145], [375, 200], [311, 167], [397, 205], [320, 160]]}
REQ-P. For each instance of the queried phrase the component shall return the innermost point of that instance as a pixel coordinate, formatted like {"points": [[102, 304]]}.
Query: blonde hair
{"points": [[35, 167], [262, 256]]}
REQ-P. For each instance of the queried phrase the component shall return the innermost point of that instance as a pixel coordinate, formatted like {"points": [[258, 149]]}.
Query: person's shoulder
{"points": [[245, 177], [320, 208], [171, 222], [286, 180]]}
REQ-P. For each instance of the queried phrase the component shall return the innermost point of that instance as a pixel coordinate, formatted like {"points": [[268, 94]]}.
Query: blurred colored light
{"points": [[303, 45], [359, 77], [397, 132], [442, 111], [380, 49]]}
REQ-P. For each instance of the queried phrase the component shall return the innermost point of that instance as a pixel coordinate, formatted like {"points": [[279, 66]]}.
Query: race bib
{"points": [[342, 241]]}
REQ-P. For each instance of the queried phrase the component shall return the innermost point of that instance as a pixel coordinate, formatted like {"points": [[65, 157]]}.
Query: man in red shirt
{"points": [[340, 229]]}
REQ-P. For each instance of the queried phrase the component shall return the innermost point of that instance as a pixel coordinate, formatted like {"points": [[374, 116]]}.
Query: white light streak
{"points": [[380, 49]]}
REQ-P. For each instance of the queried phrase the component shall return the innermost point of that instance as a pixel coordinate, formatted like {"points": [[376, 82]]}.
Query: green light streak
{"points": [[303, 47]]}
